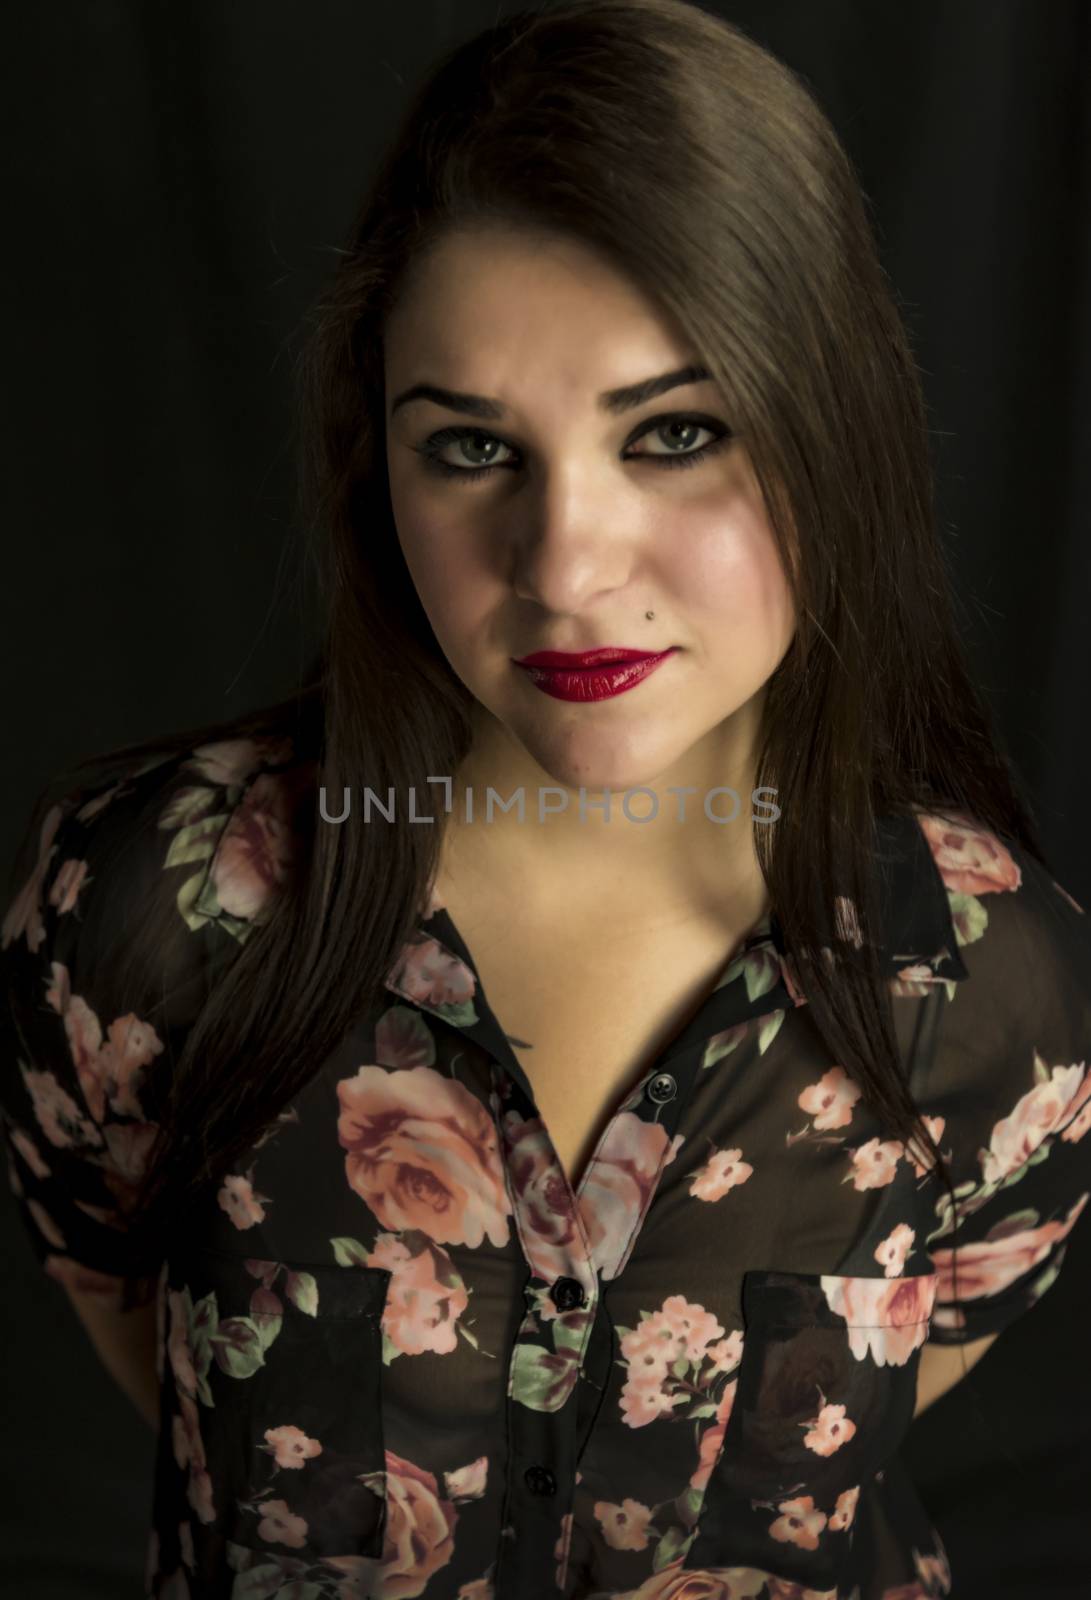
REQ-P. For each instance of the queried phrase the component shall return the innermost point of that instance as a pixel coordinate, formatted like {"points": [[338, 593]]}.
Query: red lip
{"points": [[574, 661], [600, 682]]}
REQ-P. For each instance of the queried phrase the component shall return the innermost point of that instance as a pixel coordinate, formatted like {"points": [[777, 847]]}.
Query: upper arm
{"points": [[86, 1046], [1012, 1085]]}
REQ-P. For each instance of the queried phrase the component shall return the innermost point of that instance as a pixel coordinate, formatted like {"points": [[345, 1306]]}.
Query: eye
{"points": [[676, 430]]}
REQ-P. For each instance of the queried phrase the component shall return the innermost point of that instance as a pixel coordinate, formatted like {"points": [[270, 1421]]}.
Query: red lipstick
{"points": [[590, 674]]}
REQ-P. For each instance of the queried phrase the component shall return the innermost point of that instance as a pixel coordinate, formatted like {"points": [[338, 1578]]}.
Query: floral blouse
{"points": [[399, 1357]]}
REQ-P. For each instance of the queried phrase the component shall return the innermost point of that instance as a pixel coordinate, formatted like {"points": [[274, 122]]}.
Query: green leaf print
{"points": [[672, 1544], [348, 1252], [238, 1348], [258, 1583], [541, 1380], [569, 1330], [969, 917], [196, 842], [770, 1027], [204, 1319], [302, 1291]]}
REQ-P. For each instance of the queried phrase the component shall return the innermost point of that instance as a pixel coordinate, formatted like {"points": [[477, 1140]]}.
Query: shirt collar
{"points": [[435, 972]]}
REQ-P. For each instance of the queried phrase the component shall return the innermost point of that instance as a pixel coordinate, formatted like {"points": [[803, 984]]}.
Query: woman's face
{"points": [[584, 522]]}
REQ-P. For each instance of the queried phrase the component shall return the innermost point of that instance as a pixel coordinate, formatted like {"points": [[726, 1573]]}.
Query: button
{"points": [[567, 1293], [662, 1088], [540, 1480]]}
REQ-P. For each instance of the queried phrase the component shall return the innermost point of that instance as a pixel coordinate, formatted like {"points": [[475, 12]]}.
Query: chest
{"points": [[587, 1020]]}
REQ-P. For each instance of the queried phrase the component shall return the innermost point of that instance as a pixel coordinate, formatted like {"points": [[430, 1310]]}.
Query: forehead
{"points": [[502, 287]]}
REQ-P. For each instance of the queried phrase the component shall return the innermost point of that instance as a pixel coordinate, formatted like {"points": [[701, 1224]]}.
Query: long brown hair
{"points": [[699, 165]]}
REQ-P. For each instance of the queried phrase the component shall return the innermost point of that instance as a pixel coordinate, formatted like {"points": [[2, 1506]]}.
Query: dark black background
{"points": [[178, 179]]}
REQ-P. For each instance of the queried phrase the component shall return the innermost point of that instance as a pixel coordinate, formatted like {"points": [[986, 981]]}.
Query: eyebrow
{"points": [[614, 401]]}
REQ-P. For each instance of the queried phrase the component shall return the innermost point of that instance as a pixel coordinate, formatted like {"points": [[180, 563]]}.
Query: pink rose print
{"points": [[829, 1431], [1079, 1126], [425, 1299], [423, 1154], [189, 1450], [800, 1524], [428, 973], [468, 1482], [46, 1226], [921, 1159], [108, 1072], [1042, 1110], [886, 1318], [831, 1099], [934, 1571], [30, 1153], [279, 1526], [68, 880], [231, 761], [420, 1527], [179, 1351], [990, 1265], [679, 1331], [58, 1115], [891, 1253], [617, 1189], [970, 860], [24, 915], [561, 1550], [549, 1223], [242, 1205], [290, 1447], [257, 847], [721, 1172], [624, 1526], [873, 1163], [719, 1583], [845, 1509], [713, 1437], [725, 1354], [483, 1588]]}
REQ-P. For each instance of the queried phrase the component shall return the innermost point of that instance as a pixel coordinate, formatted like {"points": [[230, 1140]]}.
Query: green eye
{"points": [[482, 440]]}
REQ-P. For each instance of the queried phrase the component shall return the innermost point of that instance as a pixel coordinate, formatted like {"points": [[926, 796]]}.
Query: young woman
{"points": [[524, 1122]]}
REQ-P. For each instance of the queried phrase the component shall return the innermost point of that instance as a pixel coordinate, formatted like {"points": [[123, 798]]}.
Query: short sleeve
{"points": [[105, 960], [1012, 1085]]}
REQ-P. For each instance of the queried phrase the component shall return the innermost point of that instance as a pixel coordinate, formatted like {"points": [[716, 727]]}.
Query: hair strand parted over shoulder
{"points": [[702, 168]]}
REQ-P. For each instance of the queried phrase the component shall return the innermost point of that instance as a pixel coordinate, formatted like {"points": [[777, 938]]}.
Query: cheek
{"points": [[447, 564], [733, 572]]}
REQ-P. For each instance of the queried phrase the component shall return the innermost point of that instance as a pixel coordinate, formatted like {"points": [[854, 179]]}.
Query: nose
{"points": [[577, 544]]}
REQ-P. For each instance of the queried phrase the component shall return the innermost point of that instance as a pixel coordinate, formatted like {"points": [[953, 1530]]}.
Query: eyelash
{"points": [[434, 444]]}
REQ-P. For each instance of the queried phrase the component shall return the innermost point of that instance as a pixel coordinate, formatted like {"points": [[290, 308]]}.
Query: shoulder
{"points": [[1009, 914], [1016, 1066], [191, 839], [139, 884]]}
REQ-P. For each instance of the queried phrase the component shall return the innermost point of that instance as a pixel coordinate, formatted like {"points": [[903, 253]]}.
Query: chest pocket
{"points": [[824, 1394], [278, 1422]]}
